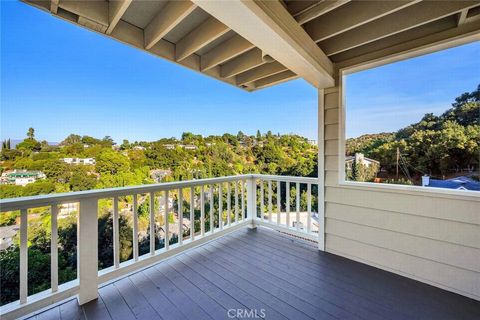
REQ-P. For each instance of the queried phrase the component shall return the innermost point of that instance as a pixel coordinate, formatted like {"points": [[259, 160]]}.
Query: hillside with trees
{"points": [[131, 163], [439, 146]]}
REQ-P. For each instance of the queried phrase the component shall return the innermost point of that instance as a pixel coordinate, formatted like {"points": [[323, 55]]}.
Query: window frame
{"points": [[371, 186]]}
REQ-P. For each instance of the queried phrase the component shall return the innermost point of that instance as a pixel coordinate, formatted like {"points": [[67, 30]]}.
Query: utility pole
{"points": [[398, 158]]}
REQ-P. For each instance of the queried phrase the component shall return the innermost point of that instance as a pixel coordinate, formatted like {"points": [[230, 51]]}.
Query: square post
{"points": [[87, 250], [321, 170], [252, 202]]}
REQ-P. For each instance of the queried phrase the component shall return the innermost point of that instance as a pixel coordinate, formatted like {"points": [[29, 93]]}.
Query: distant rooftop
{"points": [[463, 183]]}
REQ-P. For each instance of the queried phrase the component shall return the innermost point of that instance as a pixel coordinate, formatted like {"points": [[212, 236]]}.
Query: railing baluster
{"points": [[220, 206], [23, 255], [287, 196], [262, 200], [167, 231], [192, 213], [135, 228], [270, 206], [116, 237], [309, 207], [54, 248], [297, 203], [180, 216], [229, 203], [212, 218], [279, 201], [243, 199], [236, 201], [152, 223], [202, 211]]}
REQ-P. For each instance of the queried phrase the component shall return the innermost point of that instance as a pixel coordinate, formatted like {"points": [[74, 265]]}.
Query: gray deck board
{"points": [[262, 269]]}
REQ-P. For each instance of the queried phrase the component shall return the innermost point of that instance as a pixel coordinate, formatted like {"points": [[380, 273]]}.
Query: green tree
{"points": [[109, 161], [31, 134]]}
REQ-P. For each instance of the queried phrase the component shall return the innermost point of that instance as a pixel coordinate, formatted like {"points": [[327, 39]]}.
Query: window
{"points": [[415, 122]]}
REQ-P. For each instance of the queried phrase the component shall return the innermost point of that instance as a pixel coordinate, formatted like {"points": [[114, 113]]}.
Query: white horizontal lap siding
{"points": [[428, 237]]}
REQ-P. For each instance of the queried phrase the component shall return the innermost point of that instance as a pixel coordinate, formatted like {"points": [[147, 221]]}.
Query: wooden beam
{"points": [[351, 15], [416, 33], [168, 17], [271, 28], [275, 79], [95, 11], [259, 73], [54, 6], [411, 17], [319, 9], [245, 62], [204, 34], [116, 9], [298, 7], [227, 50], [462, 17], [466, 33]]}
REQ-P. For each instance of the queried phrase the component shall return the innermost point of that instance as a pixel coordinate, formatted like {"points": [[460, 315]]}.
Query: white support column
{"points": [[135, 227], [23, 255], [54, 248], [167, 226], [116, 234], [321, 170], [87, 250], [252, 202], [180, 216]]}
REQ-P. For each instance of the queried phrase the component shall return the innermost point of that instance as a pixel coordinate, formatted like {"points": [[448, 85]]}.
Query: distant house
{"points": [[159, 174], [360, 159], [458, 183], [139, 148], [22, 177], [190, 147], [80, 161], [312, 142], [169, 146]]}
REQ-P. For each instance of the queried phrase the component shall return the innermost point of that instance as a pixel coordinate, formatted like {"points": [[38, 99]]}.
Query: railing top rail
{"points": [[285, 178], [49, 199]]}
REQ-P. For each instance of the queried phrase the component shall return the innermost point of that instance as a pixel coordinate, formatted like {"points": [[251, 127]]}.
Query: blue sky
{"points": [[62, 79], [393, 96]]}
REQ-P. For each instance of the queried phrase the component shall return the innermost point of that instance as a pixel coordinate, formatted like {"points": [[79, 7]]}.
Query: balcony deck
{"points": [[262, 269]]}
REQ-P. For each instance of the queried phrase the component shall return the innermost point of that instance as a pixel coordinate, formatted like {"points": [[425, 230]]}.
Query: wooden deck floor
{"points": [[276, 275]]}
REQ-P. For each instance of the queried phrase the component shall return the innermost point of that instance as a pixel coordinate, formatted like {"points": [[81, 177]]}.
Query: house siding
{"points": [[425, 236]]}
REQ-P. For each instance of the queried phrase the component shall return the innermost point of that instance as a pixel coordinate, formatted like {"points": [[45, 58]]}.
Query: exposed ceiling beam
{"points": [[298, 7], [271, 28], [259, 73], [319, 9], [168, 17], [245, 62], [351, 15], [54, 6], [95, 11], [411, 17], [418, 32], [201, 36], [116, 9], [466, 33], [227, 50], [462, 17], [275, 79]]}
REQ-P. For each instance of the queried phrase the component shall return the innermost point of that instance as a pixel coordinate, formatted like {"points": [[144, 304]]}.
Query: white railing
{"points": [[233, 202]]}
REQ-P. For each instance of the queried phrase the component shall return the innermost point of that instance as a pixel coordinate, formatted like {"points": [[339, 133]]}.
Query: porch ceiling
{"points": [[308, 39]]}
